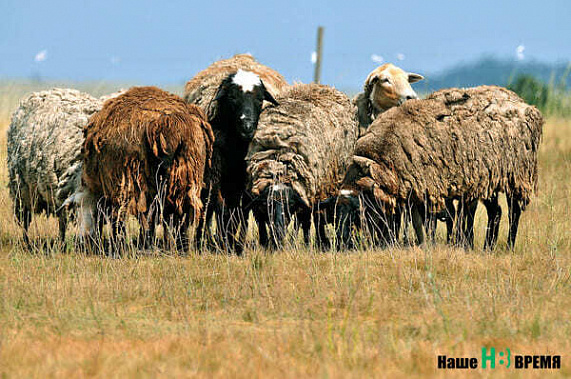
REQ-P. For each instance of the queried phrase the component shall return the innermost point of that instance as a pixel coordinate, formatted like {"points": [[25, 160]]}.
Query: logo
{"points": [[492, 358]]}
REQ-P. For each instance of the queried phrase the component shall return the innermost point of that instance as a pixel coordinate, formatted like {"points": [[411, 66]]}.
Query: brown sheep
{"points": [[232, 92], [145, 154], [464, 144], [386, 86], [298, 158]]}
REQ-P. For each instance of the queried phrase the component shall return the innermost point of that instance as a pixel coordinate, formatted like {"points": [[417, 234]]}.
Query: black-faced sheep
{"points": [[386, 86], [298, 157], [44, 152], [468, 144], [145, 154], [232, 92]]}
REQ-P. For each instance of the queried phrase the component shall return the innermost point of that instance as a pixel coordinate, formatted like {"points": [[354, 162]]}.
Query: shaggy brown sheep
{"points": [[464, 144], [145, 154]]}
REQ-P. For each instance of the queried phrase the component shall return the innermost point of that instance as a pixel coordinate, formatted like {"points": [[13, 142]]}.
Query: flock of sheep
{"points": [[243, 140]]}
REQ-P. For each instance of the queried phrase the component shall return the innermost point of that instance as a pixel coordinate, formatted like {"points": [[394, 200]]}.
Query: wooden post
{"points": [[319, 51]]}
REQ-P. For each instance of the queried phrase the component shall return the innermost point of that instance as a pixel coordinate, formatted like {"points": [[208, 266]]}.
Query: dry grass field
{"points": [[295, 313]]}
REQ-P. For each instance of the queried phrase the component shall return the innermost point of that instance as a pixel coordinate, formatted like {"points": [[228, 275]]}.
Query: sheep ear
{"points": [[413, 78], [368, 87], [268, 97]]}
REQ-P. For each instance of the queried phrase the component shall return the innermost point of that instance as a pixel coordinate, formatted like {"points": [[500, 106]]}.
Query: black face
{"points": [[279, 202], [347, 212], [242, 108], [344, 210]]}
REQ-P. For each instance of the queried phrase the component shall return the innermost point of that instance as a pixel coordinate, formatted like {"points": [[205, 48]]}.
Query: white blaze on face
{"points": [[346, 192], [246, 80], [278, 187]]}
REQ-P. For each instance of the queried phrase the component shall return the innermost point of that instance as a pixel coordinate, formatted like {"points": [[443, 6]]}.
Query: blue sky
{"points": [[165, 42]]}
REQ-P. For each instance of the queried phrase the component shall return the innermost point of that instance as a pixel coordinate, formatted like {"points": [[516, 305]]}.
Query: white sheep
{"points": [[44, 152]]}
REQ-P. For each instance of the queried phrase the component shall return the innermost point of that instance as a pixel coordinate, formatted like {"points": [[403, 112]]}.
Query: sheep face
{"points": [[388, 86], [345, 210], [280, 202], [240, 98]]}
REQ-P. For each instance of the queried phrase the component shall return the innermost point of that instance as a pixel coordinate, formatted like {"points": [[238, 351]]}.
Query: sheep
{"points": [[145, 154], [386, 86], [44, 146], [467, 144], [298, 157], [232, 93]]}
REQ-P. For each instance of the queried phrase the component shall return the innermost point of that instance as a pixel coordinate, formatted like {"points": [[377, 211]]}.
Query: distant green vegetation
{"points": [[552, 98]]}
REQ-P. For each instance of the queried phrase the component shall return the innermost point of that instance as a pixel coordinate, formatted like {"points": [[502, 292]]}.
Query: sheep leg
{"points": [[465, 230], [228, 226], [514, 213], [25, 219], [431, 226], [119, 233], [147, 234], [305, 222], [62, 224], [181, 224], [203, 229], [418, 225], [323, 242], [468, 231], [451, 215], [397, 218], [262, 220], [494, 216], [406, 221]]}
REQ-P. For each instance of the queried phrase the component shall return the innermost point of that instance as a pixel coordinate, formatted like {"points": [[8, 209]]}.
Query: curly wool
{"points": [[458, 142], [44, 147], [305, 142]]}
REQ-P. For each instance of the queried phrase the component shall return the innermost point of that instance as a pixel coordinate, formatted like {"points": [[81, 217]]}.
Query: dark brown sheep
{"points": [[145, 153], [464, 144]]}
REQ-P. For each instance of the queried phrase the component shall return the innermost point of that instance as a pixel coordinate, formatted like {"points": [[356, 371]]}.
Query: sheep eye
{"points": [[385, 80]]}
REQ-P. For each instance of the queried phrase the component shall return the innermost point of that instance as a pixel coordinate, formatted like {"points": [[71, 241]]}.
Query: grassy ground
{"points": [[295, 313]]}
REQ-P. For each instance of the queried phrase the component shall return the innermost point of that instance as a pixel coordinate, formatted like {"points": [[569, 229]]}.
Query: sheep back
{"points": [[305, 142], [44, 141], [201, 89], [458, 142], [143, 142]]}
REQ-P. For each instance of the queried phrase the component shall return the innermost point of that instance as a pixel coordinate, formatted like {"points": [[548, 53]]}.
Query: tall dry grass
{"points": [[295, 313]]}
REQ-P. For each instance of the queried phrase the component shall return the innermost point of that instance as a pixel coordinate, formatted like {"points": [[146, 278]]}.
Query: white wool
{"points": [[246, 80]]}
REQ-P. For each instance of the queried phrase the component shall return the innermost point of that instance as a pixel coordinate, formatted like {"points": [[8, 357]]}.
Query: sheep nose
{"points": [[412, 96]]}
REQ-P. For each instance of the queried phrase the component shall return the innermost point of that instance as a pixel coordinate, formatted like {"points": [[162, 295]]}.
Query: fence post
{"points": [[319, 51]]}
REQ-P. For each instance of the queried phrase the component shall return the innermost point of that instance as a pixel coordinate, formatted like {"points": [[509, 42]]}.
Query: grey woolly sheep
{"points": [[44, 146], [232, 93], [467, 144], [298, 157]]}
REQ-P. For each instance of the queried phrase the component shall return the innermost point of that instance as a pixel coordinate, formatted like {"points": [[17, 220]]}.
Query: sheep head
{"points": [[388, 86], [240, 98]]}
